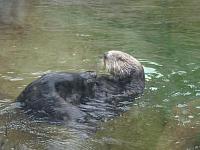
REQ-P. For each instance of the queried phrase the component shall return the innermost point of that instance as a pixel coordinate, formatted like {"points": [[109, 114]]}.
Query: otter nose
{"points": [[105, 55]]}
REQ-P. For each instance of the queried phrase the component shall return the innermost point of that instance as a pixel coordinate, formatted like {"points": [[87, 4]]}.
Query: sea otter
{"points": [[74, 96]]}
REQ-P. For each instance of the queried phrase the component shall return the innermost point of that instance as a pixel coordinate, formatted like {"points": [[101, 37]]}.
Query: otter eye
{"points": [[119, 58]]}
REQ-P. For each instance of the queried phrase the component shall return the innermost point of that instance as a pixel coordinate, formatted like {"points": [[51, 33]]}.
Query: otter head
{"points": [[123, 65]]}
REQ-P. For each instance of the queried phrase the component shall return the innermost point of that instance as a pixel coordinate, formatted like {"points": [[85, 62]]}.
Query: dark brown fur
{"points": [[74, 96]]}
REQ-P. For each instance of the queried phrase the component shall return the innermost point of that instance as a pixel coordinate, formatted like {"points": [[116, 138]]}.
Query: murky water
{"points": [[42, 36]]}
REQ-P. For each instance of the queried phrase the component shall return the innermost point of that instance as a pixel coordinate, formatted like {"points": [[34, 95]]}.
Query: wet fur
{"points": [[76, 96]]}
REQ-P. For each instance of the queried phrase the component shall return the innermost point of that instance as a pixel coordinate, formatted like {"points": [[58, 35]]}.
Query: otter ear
{"points": [[122, 59]]}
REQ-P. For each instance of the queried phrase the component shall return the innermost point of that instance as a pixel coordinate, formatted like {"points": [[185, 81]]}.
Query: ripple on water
{"points": [[152, 73], [178, 73], [11, 78], [5, 100], [150, 62], [153, 88], [198, 107], [198, 94], [182, 105], [181, 94], [39, 73]]}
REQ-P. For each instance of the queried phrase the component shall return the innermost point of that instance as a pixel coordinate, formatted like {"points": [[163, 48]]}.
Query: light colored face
{"points": [[120, 64]]}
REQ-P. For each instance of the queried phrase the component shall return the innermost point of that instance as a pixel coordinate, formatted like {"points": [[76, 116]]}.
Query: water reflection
{"points": [[13, 12]]}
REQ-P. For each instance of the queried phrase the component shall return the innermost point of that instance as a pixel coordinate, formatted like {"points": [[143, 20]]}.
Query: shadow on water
{"points": [[14, 13], [47, 36]]}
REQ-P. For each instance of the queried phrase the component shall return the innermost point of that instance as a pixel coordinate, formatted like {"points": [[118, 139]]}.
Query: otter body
{"points": [[74, 96], [55, 95]]}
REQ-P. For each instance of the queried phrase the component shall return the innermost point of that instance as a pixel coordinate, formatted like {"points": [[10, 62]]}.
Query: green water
{"points": [[67, 35]]}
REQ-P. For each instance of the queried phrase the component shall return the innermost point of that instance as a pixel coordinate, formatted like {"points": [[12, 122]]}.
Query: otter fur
{"points": [[74, 96]]}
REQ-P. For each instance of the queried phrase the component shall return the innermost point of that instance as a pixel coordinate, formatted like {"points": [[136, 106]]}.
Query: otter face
{"points": [[121, 64]]}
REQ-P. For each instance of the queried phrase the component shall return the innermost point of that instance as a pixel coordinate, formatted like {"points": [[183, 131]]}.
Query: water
{"points": [[65, 35]]}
